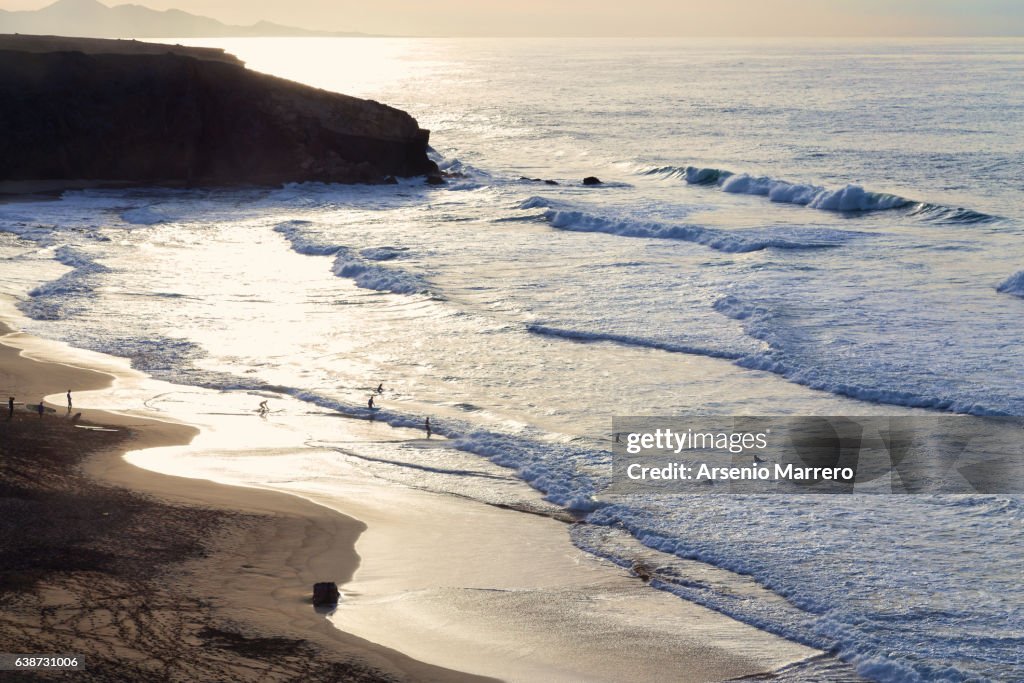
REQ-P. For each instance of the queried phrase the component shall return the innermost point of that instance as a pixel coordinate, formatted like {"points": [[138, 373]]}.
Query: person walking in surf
{"points": [[263, 409], [426, 426], [380, 388], [10, 408], [369, 404], [69, 400]]}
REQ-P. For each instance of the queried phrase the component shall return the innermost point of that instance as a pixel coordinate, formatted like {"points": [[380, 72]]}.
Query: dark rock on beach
{"points": [[132, 116], [325, 593], [591, 180]]}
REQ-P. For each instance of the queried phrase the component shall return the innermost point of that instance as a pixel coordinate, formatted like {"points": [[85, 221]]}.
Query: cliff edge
{"points": [[174, 118]]}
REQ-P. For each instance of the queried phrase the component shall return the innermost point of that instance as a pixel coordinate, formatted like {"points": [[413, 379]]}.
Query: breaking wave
{"points": [[733, 242], [852, 198], [361, 267], [372, 276]]}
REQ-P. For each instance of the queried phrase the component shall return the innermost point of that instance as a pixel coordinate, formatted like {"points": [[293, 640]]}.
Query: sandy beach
{"points": [[444, 585], [197, 581]]}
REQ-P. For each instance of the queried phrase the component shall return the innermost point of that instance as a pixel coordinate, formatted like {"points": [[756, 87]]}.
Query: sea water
{"points": [[784, 227]]}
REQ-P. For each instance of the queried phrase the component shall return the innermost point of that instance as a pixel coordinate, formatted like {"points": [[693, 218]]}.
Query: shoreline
{"points": [[260, 576], [272, 547]]}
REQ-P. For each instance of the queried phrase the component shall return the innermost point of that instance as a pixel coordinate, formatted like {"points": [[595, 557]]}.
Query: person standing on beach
{"points": [[10, 408], [69, 400], [427, 426], [40, 407]]}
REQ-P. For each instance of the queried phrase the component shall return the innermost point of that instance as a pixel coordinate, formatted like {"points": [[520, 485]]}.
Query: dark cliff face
{"points": [[173, 119]]}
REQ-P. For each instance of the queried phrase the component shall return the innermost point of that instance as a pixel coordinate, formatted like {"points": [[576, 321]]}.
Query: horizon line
{"points": [[363, 34]]}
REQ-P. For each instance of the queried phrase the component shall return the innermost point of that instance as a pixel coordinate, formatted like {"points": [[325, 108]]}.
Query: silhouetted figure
{"points": [[426, 425], [10, 408], [40, 408], [369, 404], [69, 400], [264, 409], [380, 388]]}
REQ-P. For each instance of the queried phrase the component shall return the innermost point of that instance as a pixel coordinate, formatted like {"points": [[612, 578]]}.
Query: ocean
{"points": [[784, 227]]}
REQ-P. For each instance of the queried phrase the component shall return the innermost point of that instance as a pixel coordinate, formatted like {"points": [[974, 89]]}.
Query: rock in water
{"points": [[175, 119], [642, 571], [591, 180], [325, 593]]}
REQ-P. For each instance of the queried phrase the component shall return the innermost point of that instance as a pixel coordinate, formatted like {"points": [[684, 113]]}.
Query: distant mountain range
{"points": [[92, 19]]}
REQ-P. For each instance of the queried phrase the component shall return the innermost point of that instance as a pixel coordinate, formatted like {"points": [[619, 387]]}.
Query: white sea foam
{"points": [[362, 267], [63, 298], [303, 241], [369, 275], [43, 235], [851, 198], [535, 203], [828, 606]]}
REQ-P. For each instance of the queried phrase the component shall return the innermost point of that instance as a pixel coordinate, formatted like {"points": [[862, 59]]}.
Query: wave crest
{"points": [[362, 268], [848, 199], [733, 242], [377, 277]]}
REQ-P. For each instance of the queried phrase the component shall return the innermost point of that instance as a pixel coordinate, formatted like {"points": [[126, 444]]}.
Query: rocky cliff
{"points": [[177, 119]]}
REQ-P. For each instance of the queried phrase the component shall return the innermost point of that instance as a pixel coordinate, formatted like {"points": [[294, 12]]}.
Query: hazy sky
{"points": [[623, 17]]}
